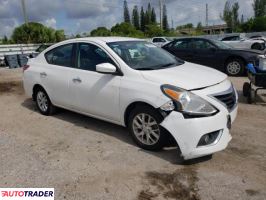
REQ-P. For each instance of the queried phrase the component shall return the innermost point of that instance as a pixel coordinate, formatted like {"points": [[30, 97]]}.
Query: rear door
{"points": [[54, 74], [92, 92]]}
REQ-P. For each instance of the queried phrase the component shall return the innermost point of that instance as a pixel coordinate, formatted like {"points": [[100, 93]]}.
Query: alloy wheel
{"points": [[233, 68], [42, 101], [146, 129]]}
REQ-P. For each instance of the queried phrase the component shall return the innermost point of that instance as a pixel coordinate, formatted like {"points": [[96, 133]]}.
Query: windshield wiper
{"points": [[166, 65], [144, 68]]}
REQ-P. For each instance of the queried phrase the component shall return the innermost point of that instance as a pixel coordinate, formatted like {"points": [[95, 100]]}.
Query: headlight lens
{"points": [[188, 102]]}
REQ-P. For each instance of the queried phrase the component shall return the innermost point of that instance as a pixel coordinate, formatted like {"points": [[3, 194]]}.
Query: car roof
{"points": [[185, 38], [105, 39]]}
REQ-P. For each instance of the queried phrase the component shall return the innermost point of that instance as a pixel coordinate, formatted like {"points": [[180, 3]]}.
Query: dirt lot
{"points": [[85, 158]]}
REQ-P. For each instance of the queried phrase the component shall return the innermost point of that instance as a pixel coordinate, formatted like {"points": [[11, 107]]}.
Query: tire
{"points": [[235, 67], [246, 89], [251, 96], [43, 102], [149, 137], [257, 46]]}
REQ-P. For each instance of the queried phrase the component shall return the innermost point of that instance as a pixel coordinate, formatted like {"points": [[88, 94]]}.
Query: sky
{"points": [[79, 16]]}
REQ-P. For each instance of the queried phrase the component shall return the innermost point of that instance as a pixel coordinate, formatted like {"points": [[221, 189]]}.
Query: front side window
{"points": [[61, 55], [142, 55], [89, 55]]}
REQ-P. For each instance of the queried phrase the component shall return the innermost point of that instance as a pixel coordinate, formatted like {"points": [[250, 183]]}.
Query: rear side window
{"points": [[61, 55], [201, 44], [182, 44]]}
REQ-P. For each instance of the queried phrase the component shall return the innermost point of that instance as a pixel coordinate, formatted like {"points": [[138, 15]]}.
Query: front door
{"points": [[94, 93]]}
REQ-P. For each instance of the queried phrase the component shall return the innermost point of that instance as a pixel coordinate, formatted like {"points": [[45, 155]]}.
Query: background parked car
{"points": [[212, 53], [160, 41], [258, 37], [244, 43]]}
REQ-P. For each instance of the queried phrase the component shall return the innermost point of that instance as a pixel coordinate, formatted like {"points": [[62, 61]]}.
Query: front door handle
{"points": [[76, 80], [43, 74]]}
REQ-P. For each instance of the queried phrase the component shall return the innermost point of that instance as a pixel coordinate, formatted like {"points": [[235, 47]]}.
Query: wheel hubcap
{"points": [[146, 129], [42, 101], [233, 68]]}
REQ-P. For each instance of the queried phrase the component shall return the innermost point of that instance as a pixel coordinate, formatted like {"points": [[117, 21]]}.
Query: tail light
{"points": [[25, 67]]}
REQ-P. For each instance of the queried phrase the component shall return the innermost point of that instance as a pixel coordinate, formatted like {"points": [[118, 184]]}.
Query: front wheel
{"points": [[234, 67], [145, 129]]}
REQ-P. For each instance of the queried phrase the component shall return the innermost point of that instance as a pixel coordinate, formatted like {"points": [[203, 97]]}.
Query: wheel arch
{"points": [[131, 107], [35, 88], [232, 57], [171, 140]]}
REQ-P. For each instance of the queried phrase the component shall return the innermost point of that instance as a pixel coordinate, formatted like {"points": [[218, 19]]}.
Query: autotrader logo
{"points": [[27, 193]]}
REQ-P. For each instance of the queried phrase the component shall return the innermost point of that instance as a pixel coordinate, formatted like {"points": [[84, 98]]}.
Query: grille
{"points": [[228, 99]]}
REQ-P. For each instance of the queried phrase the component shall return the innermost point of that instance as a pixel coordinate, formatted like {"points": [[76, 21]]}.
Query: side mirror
{"points": [[106, 68]]}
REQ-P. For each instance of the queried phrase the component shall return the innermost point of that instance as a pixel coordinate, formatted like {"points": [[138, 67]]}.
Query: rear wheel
{"points": [[145, 129], [234, 67], [43, 102], [251, 96], [257, 46]]}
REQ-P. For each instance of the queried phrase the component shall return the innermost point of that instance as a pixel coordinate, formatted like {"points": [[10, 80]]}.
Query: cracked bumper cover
{"points": [[187, 132]]}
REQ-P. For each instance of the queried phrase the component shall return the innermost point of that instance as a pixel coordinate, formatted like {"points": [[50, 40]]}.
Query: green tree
{"points": [[199, 27], [230, 15], [142, 19], [259, 7], [126, 13], [126, 29], [33, 33], [135, 17], [259, 24], [60, 35], [242, 19], [5, 40], [165, 19], [227, 14], [153, 16], [100, 31], [153, 30], [235, 18]]}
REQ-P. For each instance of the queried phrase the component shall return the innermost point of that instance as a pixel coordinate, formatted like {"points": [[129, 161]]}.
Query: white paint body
{"points": [[107, 96], [244, 43], [159, 41]]}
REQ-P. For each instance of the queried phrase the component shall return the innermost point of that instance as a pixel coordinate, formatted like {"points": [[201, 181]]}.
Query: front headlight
{"points": [[187, 102]]}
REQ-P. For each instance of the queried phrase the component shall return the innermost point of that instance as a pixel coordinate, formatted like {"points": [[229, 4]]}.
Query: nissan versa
{"points": [[136, 84]]}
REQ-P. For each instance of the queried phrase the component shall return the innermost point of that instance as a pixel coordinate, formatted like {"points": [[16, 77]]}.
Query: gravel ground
{"points": [[85, 158]]}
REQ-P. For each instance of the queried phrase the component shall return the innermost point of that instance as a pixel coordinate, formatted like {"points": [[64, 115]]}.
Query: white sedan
{"points": [[138, 85], [240, 42]]}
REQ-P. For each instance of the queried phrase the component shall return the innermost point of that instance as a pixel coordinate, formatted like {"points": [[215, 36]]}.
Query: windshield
{"points": [[141, 55], [221, 45]]}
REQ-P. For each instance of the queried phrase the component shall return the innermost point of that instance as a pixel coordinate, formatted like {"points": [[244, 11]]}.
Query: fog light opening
{"points": [[210, 138]]}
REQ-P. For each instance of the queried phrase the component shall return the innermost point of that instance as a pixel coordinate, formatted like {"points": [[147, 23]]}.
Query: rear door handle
{"points": [[76, 80], [43, 74]]}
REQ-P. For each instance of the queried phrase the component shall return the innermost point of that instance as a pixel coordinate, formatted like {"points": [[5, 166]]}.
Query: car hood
{"points": [[188, 76]]}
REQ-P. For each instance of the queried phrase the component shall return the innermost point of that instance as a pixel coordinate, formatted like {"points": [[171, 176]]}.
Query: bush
{"points": [[100, 31]]}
